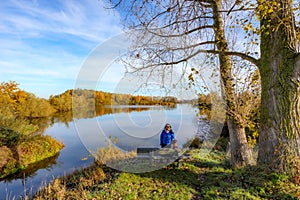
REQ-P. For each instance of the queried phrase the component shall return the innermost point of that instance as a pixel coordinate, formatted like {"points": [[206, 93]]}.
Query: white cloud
{"points": [[86, 19], [49, 40]]}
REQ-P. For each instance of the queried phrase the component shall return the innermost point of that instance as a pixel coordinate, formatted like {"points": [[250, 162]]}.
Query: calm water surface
{"points": [[133, 126]]}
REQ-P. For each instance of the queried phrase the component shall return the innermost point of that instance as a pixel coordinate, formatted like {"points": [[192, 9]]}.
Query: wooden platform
{"points": [[140, 150]]}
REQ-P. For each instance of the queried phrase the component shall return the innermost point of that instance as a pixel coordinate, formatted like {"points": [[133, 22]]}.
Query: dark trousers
{"points": [[165, 145]]}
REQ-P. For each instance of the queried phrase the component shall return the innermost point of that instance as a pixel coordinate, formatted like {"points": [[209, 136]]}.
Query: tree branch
{"points": [[161, 13], [183, 21], [184, 47], [182, 34], [237, 10], [236, 53], [114, 6], [203, 1], [193, 46], [230, 53]]}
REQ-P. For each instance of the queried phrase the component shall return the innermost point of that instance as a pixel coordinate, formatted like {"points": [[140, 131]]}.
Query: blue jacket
{"points": [[166, 138]]}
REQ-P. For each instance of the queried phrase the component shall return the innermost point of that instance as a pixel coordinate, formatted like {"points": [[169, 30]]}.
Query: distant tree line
{"points": [[95, 99]]}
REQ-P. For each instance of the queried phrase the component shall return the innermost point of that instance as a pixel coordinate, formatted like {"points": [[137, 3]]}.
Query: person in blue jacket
{"points": [[166, 136]]}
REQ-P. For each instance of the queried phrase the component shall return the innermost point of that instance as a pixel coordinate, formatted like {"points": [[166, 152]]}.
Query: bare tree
{"points": [[175, 32], [192, 27]]}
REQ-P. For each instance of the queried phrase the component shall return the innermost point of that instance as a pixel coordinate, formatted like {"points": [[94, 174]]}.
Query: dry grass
{"points": [[110, 155], [73, 186]]}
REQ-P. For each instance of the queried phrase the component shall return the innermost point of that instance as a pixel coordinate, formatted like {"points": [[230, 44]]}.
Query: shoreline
{"points": [[19, 157]]}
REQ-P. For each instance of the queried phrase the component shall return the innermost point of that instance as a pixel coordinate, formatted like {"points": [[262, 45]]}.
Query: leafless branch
{"points": [[182, 34], [114, 6], [182, 21], [230, 53]]}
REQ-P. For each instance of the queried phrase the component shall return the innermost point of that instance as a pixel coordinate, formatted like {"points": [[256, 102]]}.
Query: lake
{"points": [[132, 126]]}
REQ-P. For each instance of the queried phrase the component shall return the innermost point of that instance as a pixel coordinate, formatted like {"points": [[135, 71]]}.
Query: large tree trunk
{"points": [[280, 78], [240, 152]]}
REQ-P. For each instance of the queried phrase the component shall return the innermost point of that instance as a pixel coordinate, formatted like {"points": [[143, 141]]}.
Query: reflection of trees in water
{"points": [[42, 123], [66, 117], [119, 109], [32, 169]]}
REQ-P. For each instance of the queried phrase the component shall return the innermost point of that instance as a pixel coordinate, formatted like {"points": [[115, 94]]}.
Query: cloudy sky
{"points": [[45, 43]]}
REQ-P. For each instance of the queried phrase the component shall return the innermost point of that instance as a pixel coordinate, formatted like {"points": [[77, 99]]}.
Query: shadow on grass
{"points": [[210, 164], [246, 183], [182, 176], [215, 180]]}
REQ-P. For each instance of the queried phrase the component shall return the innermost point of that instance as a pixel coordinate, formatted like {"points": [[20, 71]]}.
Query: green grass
{"points": [[203, 176], [154, 185]]}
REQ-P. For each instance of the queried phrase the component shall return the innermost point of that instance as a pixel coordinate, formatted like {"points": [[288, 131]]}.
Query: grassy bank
{"points": [[203, 176], [19, 156]]}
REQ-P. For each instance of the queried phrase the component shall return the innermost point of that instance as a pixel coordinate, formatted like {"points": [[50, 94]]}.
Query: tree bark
{"points": [[240, 151], [280, 77]]}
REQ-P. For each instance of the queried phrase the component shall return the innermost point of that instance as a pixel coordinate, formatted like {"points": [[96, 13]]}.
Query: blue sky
{"points": [[44, 43]]}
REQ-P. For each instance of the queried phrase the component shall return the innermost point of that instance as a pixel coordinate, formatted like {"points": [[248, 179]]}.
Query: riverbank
{"points": [[203, 176], [17, 157]]}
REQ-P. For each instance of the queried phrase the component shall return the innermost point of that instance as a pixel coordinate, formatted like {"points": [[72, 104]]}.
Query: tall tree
{"points": [[239, 149], [280, 75]]}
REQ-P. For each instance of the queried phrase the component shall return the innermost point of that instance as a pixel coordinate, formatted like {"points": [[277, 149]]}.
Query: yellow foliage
{"points": [[252, 140]]}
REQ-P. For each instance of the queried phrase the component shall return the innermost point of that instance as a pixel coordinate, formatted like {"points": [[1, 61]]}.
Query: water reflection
{"points": [[32, 169], [99, 111], [137, 129], [84, 113]]}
